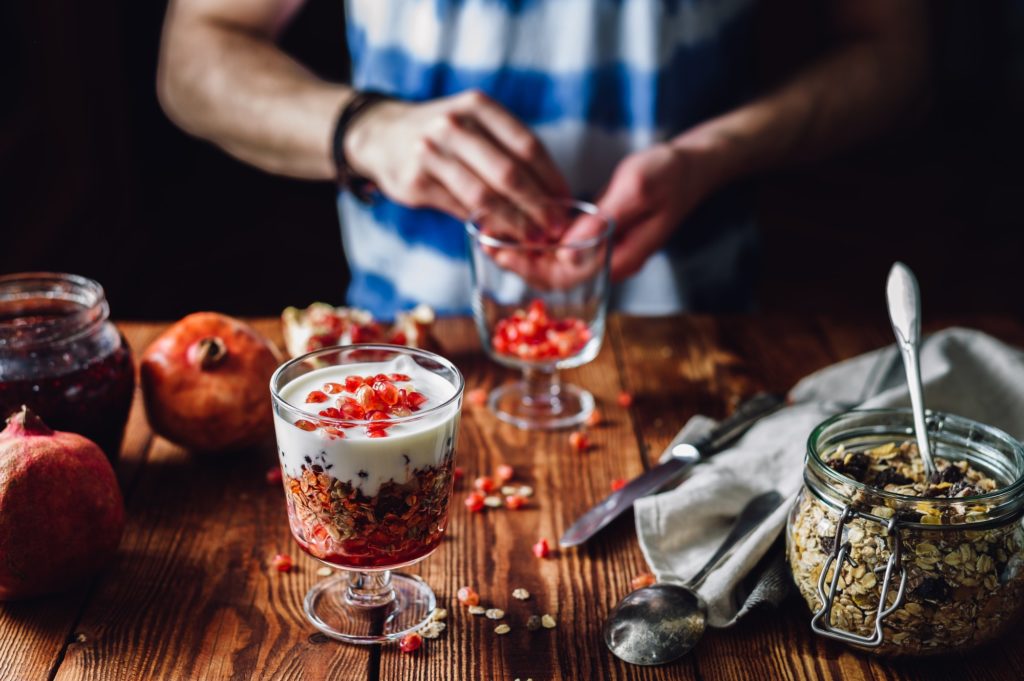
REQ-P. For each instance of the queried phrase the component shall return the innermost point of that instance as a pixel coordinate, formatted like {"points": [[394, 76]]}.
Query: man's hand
{"points": [[650, 193], [458, 154]]}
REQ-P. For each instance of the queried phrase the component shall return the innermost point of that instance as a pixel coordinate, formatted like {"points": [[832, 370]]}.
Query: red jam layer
{"points": [[534, 336]]}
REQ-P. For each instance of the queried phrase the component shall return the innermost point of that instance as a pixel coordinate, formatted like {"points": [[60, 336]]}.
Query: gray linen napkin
{"points": [[964, 372]]}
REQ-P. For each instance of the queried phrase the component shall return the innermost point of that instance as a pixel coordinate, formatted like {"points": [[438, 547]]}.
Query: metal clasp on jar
{"points": [[821, 623]]}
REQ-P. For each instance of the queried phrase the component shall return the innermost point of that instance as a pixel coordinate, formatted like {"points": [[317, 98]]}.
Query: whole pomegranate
{"points": [[205, 383], [61, 512]]}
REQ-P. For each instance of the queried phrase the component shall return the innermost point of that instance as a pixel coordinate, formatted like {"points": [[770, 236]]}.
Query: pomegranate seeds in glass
{"points": [[366, 437], [540, 296]]}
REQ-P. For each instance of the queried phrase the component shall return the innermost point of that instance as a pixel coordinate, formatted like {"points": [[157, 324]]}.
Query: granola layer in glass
{"points": [[963, 585]]}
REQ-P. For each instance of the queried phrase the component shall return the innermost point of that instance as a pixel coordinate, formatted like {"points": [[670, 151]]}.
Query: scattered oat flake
{"points": [[520, 594], [642, 580], [477, 610], [595, 419], [439, 614], [502, 629], [325, 572], [410, 642], [477, 397], [508, 490], [282, 562], [547, 621], [618, 483], [492, 501], [432, 629], [525, 491], [624, 399], [494, 613]]}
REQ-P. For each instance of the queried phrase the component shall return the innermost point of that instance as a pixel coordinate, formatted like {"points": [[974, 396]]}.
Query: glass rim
{"points": [[583, 206], [398, 349], [1009, 491], [85, 293]]}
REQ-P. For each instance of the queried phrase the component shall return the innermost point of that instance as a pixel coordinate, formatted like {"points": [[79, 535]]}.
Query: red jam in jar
{"points": [[62, 356]]}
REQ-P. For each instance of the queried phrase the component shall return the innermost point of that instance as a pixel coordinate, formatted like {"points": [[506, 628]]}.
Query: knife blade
{"points": [[685, 455]]}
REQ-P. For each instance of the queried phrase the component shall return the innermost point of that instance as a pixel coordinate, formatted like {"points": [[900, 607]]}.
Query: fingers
{"points": [[636, 243], [470, 193], [517, 139]]}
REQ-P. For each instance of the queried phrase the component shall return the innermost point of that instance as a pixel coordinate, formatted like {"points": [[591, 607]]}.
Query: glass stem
{"points": [[369, 589], [542, 389]]}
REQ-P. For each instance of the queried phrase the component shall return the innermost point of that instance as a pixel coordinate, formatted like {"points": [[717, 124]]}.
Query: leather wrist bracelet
{"points": [[362, 187]]}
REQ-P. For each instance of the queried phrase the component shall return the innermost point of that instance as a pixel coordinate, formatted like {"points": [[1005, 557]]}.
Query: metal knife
{"points": [[684, 456]]}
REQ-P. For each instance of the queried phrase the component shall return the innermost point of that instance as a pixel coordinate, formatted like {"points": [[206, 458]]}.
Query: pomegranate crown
{"points": [[27, 421]]}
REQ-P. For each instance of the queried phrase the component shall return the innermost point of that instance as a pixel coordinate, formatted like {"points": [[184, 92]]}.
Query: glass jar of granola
{"points": [[898, 563]]}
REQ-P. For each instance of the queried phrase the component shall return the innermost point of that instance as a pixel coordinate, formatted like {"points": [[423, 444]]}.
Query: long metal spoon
{"points": [[904, 298], [659, 623]]}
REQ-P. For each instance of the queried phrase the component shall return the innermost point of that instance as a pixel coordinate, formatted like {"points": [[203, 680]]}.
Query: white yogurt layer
{"points": [[366, 462]]}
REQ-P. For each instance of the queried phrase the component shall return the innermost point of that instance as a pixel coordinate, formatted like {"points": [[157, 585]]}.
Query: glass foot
{"points": [[347, 608], [563, 406]]}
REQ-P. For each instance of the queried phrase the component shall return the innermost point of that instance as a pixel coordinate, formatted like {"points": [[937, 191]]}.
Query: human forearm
{"points": [[230, 85]]}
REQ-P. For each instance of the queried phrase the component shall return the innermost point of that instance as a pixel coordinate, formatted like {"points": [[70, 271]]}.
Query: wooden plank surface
{"points": [[191, 594]]}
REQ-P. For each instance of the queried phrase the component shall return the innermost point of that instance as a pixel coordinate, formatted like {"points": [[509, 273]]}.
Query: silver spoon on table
{"points": [[904, 298], [662, 622]]}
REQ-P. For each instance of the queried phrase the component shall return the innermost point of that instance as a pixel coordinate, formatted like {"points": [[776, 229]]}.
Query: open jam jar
{"points": [[62, 356]]}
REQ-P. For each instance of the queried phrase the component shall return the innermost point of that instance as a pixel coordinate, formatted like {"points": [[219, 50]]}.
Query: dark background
{"points": [[95, 180]]}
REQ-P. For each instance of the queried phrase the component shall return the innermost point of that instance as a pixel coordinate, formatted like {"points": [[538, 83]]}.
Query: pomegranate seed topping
{"points": [[504, 473], [376, 432], [484, 484], [618, 483], [386, 391], [579, 441], [331, 413], [353, 411], [333, 388], [477, 397], [282, 562], [379, 378], [352, 383], [303, 424], [333, 432], [474, 501], [541, 548], [467, 596], [642, 580], [365, 397], [595, 418], [457, 473], [274, 476], [515, 501], [377, 415], [316, 397], [399, 378], [416, 400], [624, 399], [410, 642]]}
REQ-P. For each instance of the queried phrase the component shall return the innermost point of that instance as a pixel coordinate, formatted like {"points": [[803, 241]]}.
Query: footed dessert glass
{"points": [[540, 296], [366, 437]]}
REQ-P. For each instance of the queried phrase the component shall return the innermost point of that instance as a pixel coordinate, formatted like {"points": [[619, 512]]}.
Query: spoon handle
{"points": [[752, 515], [904, 298]]}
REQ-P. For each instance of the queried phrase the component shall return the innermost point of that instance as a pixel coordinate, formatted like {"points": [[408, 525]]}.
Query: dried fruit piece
{"points": [[477, 610], [618, 483], [474, 501], [642, 580], [410, 642], [477, 397], [504, 473], [533, 624], [520, 594], [282, 562], [515, 502], [467, 595], [502, 629], [541, 548], [494, 613], [274, 476], [624, 399], [547, 621], [579, 441], [484, 484]]}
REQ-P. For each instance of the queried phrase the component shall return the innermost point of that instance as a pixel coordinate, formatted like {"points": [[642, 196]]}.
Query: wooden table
{"points": [[191, 594]]}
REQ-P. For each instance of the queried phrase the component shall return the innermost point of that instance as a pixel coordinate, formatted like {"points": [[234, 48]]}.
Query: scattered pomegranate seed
{"points": [[303, 424], [595, 419], [282, 562], [467, 596], [642, 580], [333, 388], [579, 441], [515, 502], [457, 473], [477, 397], [474, 502], [410, 642], [624, 399], [541, 548], [399, 378], [504, 473], [532, 335], [484, 484], [316, 397], [618, 483], [274, 476]]}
